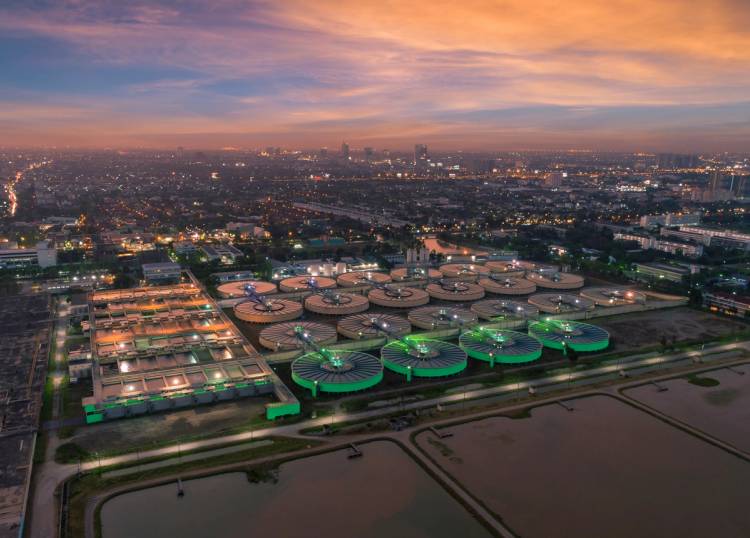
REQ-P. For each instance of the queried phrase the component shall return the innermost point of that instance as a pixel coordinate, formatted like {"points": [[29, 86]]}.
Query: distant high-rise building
{"points": [[344, 150], [716, 179], [554, 180], [369, 152], [420, 153], [421, 159], [324, 152], [739, 186]]}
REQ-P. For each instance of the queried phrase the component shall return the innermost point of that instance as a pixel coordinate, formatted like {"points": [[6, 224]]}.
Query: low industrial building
{"points": [[167, 347], [727, 303]]}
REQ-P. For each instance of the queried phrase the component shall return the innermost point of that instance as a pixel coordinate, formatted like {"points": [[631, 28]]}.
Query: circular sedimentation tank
{"points": [[268, 311], [503, 285], [395, 297], [536, 266], [554, 280], [499, 345], [499, 310], [336, 304], [463, 270], [560, 334], [440, 317], [302, 283], [368, 325], [362, 278], [455, 291], [505, 268], [231, 290], [283, 336], [412, 356], [556, 303], [613, 296], [337, 371], [416, 273]]}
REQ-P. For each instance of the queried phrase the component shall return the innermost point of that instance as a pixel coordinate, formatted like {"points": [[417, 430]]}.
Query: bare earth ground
{"points": [[631, 332], [140, 432]]}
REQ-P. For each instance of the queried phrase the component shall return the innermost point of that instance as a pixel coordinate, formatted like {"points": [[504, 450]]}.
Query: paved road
{"points": [[51, 474]]}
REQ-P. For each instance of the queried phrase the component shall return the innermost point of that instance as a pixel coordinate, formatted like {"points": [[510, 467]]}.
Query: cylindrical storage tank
{"points": [[498, 310], [463, 270], [505, 268], [559, 334], [415, 273], [412, 356], [337, 371], [237, 289], [556, 303], [398, 297], [455, 291], [302, 283], [361, 326], [499, 345], [362, 278], [337, 304], [614, 296], [283, 336], [271, 311], [553, 280], [441, 317], [502, 285]]}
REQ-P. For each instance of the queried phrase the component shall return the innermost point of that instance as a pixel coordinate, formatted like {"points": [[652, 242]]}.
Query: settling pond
{"points": [[722, 411], [604, 469], [383, 493]]}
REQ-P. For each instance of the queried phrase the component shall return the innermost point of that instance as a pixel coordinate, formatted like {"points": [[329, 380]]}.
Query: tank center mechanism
{"points": [[398, 293], [259, 302], [496, 339], [454, 287], [336, 298]]}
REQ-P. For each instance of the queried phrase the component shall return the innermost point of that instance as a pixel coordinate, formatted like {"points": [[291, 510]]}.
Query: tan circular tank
{"points": [[440, 317], [237, 289], [302, 283], [552, 280], [505, 268], [502, 285], [270, 311], [559, 303], [362, 278], [337, 304], [417, 273], [395, 297], [361, 326], [614, 296], [455, 291], [463, 270], [282, 336]]}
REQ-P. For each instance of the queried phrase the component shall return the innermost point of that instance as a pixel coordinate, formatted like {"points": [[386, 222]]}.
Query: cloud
{"points": [[361, 69]]}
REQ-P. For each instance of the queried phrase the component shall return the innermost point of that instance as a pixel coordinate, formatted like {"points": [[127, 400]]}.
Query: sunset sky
{"points": [[469, 74]]}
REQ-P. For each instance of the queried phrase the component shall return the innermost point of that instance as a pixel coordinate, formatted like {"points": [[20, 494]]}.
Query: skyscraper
{"points": [[345, 150], [715, 180], [369, 152], [420, 154]]}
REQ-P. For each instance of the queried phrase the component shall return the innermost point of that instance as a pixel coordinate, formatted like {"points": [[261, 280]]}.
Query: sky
{"points": [[667, 75]]}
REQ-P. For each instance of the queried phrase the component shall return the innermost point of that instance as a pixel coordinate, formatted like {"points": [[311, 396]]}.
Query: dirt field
{"points": [[145, 431], [632, 332]]}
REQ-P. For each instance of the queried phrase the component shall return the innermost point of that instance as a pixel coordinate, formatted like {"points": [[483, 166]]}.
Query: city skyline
{"points": [[480, 76]]}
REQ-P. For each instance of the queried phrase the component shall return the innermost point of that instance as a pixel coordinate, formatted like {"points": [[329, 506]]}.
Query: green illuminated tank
{"points": [[560, 334], [421, 357], [499, 345], [337, 371]]}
